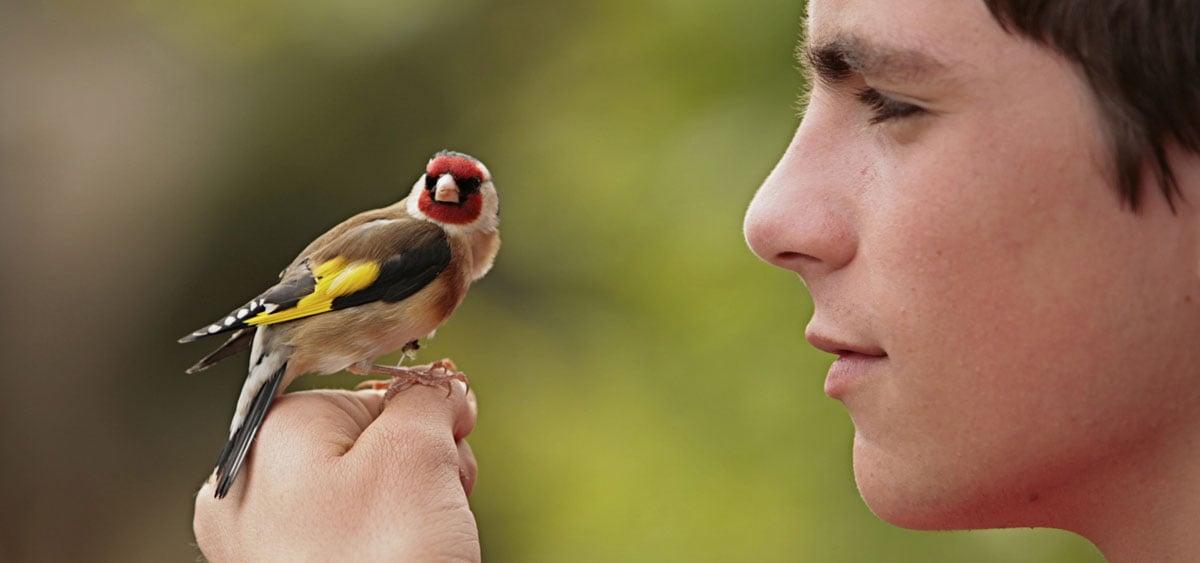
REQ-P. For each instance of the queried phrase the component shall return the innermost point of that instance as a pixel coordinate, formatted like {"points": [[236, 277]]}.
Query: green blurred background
{"points": [[646, 393]]}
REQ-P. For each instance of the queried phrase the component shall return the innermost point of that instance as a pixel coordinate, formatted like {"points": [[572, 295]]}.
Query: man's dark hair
{"points": [[1142, 59]]}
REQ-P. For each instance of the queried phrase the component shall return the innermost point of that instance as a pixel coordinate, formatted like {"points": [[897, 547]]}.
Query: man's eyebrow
{"points": [[836, 59]]}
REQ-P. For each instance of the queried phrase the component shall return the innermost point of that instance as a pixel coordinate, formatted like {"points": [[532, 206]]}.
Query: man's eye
{"points": [[885, 108]]}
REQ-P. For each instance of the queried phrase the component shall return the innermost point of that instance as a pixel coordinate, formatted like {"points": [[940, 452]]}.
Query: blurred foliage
{"points": [[646, 392]]}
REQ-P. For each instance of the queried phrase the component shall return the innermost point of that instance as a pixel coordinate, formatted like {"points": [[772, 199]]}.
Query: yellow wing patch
{"points": [[335, 278]]}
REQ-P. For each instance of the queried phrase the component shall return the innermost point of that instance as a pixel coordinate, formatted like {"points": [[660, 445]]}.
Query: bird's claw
{"points": [[441, 372]]}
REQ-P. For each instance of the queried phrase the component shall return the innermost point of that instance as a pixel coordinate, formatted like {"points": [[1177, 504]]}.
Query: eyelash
{"points": [[885, 108]]}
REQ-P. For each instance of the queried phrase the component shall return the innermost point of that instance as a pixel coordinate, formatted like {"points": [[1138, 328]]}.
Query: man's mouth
{"points": [[855, 363], [842, 348]]}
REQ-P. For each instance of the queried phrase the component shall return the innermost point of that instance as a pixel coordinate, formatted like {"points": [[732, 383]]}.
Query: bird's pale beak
{"points": [[446, 190]]}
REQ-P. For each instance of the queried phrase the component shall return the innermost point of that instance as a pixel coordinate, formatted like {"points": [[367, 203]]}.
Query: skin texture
{"points": [[344, 475], [1041, 343]]}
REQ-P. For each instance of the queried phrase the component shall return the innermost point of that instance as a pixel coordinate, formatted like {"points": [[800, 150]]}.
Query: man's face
{"points": [[1005, 328]]}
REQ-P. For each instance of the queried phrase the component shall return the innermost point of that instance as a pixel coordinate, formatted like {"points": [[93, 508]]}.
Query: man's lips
{"points": [[854, 364], [842, 348]]}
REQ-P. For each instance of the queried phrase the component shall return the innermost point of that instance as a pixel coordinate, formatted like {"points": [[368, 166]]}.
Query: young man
{"points": [[994, 208]]}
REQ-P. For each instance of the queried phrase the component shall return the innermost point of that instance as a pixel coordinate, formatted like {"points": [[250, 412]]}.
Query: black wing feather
{"points": [[402, 275], [240, 341], [283, 295]]}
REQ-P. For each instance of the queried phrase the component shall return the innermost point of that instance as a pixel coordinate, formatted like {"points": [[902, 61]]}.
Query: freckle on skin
{"points": [[1034, 496]]}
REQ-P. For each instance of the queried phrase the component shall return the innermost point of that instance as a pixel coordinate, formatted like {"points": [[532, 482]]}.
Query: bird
{"points": [[377, 282]]}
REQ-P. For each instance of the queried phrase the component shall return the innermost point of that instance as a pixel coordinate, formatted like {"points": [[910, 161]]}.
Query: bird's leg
{"points": [[440, 372], [408, 352]]}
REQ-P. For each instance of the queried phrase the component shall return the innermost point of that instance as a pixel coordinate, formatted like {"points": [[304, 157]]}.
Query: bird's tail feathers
{"points": [[246, 422]]}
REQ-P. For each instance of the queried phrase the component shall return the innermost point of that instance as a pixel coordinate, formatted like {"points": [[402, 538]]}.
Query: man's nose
{"points": [[801, 219]]}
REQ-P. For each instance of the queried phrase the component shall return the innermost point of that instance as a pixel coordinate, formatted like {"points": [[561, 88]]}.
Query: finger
{"points": [[306, 426], [427, 408], [413, 439], [372, 400], [464, 422], [468, 468]]}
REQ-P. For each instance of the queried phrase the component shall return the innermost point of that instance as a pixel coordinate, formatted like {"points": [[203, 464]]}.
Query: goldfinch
{"points": [[375, 283]]}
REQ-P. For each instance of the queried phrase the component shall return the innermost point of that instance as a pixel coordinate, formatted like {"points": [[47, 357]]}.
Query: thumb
{"points": [[422, 423], [430, 408]]}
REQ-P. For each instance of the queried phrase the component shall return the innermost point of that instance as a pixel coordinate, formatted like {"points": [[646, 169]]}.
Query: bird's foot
{"points": [[441, 372]]}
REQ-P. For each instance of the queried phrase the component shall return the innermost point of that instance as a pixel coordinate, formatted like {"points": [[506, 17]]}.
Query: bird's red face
{"points": [[452, 194]]}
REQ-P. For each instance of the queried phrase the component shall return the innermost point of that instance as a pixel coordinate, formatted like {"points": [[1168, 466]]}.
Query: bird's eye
{"points": [[430, 181]]}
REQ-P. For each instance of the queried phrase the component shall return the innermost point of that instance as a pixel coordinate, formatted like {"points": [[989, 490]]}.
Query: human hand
{"points": [[345, 475]]}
